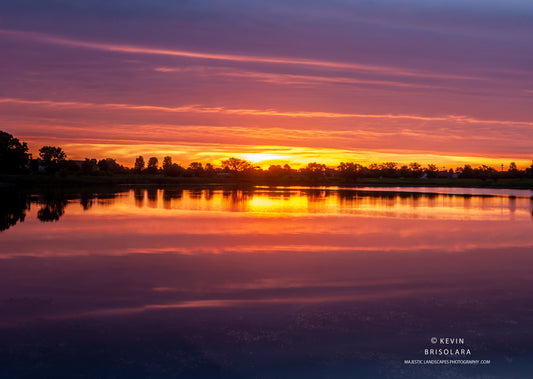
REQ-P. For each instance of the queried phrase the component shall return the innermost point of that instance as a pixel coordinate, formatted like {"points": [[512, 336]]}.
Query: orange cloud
{"points": [[262, 112], [290, 79]]}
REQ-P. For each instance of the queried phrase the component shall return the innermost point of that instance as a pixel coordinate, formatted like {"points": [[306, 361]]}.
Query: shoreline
{"points": [[42, 181]]}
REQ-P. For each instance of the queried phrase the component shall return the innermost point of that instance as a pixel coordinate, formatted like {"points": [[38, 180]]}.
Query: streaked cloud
{"points": [[45, 38], [290, 79], [261, 112]]}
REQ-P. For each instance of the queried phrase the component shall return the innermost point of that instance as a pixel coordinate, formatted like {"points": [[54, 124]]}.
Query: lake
{"points": [[140, 282]]}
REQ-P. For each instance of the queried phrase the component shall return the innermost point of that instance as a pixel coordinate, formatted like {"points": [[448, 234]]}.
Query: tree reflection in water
{"points": [[53, 207], [13, 206]]}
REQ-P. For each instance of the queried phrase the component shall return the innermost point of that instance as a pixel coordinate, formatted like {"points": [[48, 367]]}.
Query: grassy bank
{"points": [[89, 180], [161, 180]]}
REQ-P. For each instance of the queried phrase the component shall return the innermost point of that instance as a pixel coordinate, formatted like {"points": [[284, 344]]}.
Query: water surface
{"points": [[265, 282]]}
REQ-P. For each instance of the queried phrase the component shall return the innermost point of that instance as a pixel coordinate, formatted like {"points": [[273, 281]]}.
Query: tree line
{"points": [[15, 159]]}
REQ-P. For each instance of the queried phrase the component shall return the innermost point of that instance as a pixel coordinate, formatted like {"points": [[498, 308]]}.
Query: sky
{"points": [[273, 82]]}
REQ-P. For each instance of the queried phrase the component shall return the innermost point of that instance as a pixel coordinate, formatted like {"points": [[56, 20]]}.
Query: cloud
{"points": [[51, 39], [459, 119], [291, 79]]}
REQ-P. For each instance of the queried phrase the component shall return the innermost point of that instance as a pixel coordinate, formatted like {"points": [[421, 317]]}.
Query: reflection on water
{"points": [[259, 220], [52, 207], [13, 206], [263, 202], [315, 282], [395, 202]]}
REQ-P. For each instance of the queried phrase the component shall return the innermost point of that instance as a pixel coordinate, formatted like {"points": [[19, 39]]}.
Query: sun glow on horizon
{"points": [[262, 158], [265, 156]]}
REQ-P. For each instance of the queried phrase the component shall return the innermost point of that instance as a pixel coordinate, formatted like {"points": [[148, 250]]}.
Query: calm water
{"points": [[286, 282]]}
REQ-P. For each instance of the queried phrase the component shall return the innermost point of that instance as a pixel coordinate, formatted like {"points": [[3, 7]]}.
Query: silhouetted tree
{"points": [[139, 164], [513, 171], [288, 170], [432, 171], [72, 166], [195, 169], [415, 169], [486, 172], [529, 171], [167, 162], [52, 157], [236, 165], [350, 170], [275, 171], [314, 170], [151, 168], [209, 169], [88, 165], [13, 154], [467, 171], [174, 170], [404, 171], [14, 157], [374, 170], [388, 169], [109, 165]]}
